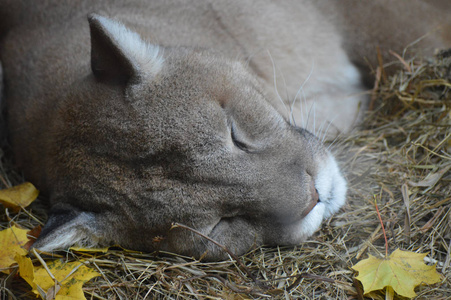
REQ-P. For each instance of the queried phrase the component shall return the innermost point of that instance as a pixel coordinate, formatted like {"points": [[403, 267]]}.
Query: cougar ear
{"points": [[67, 227], [119, 55]]}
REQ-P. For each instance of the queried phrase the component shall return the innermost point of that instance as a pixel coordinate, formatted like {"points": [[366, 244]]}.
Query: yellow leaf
{"points": [[18, 196], [12, 241], [402, 270], [26, 269], [70, 278]]}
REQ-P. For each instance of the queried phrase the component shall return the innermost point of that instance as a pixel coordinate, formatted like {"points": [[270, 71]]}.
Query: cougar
{"points": [[132, 116]]}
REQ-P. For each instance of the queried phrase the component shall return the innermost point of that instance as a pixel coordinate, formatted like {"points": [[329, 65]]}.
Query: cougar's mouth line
{"points": [[310, 208]]}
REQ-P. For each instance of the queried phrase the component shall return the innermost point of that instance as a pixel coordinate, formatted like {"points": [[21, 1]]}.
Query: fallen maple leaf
{"points": [[18, 196], [12, 242], [70, 278], [402, 270]]}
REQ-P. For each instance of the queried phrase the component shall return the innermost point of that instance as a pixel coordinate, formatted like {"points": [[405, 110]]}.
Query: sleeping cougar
{"points": [[149, 113]]}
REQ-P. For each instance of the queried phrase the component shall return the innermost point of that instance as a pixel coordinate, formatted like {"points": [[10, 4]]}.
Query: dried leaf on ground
{"points": [[18, 196], [70, 278], [33, 235], [26, 269], [402, 270], [12, 241]]}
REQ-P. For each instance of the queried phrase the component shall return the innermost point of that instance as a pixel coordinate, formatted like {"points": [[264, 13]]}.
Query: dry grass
{"points": [[401, 158]]}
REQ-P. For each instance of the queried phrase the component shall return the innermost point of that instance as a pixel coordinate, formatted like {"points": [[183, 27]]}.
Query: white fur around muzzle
{"points": [[331, 187]]}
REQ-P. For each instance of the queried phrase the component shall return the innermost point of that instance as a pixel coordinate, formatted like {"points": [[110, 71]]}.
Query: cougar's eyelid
{"points": [[236, 141]]}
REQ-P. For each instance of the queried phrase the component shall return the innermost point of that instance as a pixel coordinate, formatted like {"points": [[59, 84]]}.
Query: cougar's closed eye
{"points": [[237, 141]]}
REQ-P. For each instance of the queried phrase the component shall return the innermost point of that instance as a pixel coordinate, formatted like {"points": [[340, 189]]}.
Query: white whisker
{"points": [[275, 82], [329, 147], [327, 129], [320, 130], [301, 89], [301, 103], [314, 115], [286, 95], [308, 115]]}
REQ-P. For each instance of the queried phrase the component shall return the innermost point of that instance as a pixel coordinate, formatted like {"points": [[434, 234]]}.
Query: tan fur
{"points": [[125, 146]]}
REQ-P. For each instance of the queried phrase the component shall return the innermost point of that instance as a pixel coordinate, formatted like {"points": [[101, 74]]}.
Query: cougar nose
{"points": [[314, 200], [314, 192]]}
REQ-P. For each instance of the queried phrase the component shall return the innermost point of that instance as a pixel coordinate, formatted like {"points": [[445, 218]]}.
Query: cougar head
{"points": [[159, 135]]}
